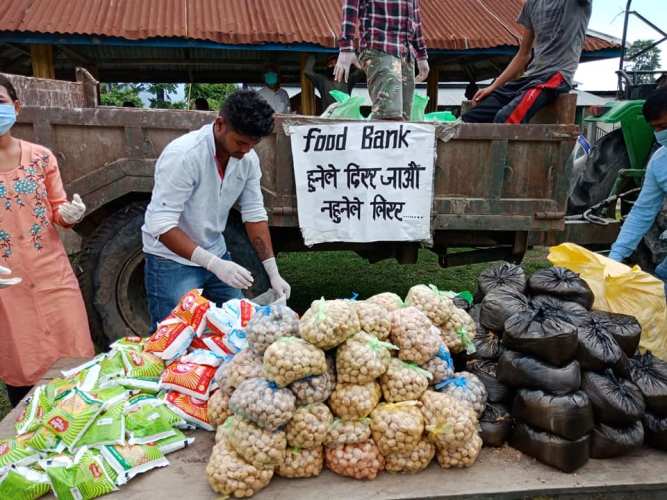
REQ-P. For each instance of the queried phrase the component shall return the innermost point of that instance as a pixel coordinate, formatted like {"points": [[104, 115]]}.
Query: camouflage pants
{"points": [[391, 84]]}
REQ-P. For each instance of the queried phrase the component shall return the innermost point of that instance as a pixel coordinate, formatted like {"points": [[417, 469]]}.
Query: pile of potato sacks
{"points": [[350, 385]]}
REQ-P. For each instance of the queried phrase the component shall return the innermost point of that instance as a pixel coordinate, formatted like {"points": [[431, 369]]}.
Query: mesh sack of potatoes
{"points": [[309, 426], [415, 460], [220, 433], [218, 408], [449, 422], [348, 431], [268, 324], [373, 319], [263, 402], [329, 323], [228, 474], [352, 401], [290, 359], [255, 445], [461, 457], [245, 365], [362, 358], [397, 427], [466, 387], [458, 332], [388, 301], [403, 381], [413, 333], [315, 389], [441, 367], [358, 461], [302, 463], [435, 304]]}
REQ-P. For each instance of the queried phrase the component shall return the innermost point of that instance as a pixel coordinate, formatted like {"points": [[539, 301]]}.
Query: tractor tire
{"points": [[595, 182], [652, 250]]}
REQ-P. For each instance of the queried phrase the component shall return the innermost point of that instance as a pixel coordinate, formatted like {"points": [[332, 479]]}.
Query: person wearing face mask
{"points": [[273, 93], [199, 177], [42, 316], [654, 189]]}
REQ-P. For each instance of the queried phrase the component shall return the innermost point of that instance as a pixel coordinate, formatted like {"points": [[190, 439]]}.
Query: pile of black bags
{"points": [[649, 374]]}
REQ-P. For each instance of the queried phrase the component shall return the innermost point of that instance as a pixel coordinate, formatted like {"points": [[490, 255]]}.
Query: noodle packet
{"points": [[192, 410], [233, 315], [214, 343], [171, 339], [88, 379], [108, 428], [144, 384], [42, 440], [58, 388], [85, 366], [192, 310], [205, 357], [188, 378], [111, 396], [174, 443], [72, 415], [146, 422], [111, 368], [128, 344], [82, 477], [130, 461], [23, 483], [142, 364], [33, 410], [12, 453]]}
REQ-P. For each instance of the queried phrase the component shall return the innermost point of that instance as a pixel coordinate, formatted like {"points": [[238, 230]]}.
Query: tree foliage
{"points": [[214, 93], [120, 94], [648, 61]]}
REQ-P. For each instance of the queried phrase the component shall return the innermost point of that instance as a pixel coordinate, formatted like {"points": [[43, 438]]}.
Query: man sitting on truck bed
{"points": [[556, 30], [198, 178], [652, 196]]}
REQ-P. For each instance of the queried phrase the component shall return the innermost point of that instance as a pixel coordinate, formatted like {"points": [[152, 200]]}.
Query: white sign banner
{"points": [[363, 182]]}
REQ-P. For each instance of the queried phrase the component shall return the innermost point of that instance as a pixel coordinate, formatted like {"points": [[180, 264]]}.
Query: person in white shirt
{"points": [[199, 177], [273, 93]]}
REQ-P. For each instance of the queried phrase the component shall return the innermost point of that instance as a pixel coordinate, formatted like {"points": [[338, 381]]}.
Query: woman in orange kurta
{"points": [[42, 318]]}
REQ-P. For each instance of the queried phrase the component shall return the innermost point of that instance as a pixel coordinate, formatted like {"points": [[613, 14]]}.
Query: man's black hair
{"points": [[4, 82], [655, 106], [201, 104], [248, 114]]}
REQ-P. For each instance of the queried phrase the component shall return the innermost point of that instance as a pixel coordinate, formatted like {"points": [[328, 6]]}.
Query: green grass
{"points": [[340, 274]]}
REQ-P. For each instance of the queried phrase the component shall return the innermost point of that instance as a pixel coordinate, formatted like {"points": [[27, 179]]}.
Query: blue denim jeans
{"points": [[661, 273], [167, 281]]}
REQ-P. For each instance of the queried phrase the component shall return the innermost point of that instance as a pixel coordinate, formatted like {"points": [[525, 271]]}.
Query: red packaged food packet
{"points": [[188, 378], [192, 410], [171, 339], [192, 310]]}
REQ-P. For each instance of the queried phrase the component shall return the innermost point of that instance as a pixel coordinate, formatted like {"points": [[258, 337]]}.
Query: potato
{"points": [[403, 381], [302, 463], [315, 389], [358, 461], [220, 433], [436, 305], [229, 474], [373, 319], [464, 456], [218, 408], [348, 431], [263, 403], [449, 422], [257, 446], [458, 332], [441, 367], [290, 359], [309, 426], [362, 358], [245, 365], [414, 335], [467, 387], [329, 323], [397, 427], [268, 324], [351, 401], [415, 460], [388, 301]]}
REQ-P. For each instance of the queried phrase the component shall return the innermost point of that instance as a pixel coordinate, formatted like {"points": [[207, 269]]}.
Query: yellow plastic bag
{"points": [[621, 289]]}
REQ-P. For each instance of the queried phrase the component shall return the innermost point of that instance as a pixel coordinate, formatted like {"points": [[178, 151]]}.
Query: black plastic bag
{"points": [[497, 392], [611, 442], [525, 372], [565, 309], [543, 333], [616, 401], [496, 424], [655, 430], [597, 350], [569, 416], [488, 345], [502, 275], [624, 328], [550, 449], [562, 283], [498, 305], [650, 375]]}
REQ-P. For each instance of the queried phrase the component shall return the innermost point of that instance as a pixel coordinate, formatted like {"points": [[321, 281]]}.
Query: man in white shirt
{"points": [[273, 93], [199, 177]]}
